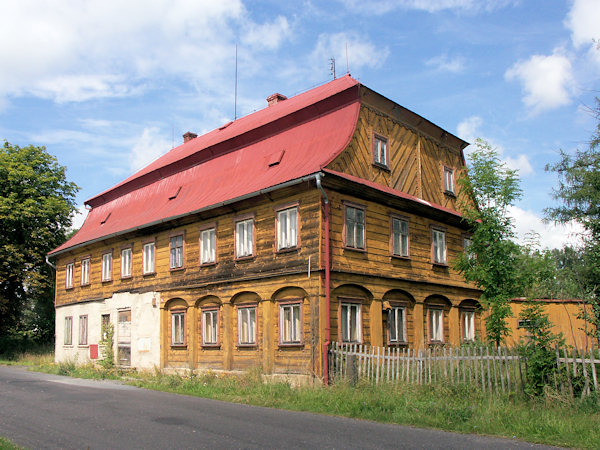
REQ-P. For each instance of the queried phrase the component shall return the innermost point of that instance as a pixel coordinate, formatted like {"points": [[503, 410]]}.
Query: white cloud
{"points": [[583, 19], [443, 63], [73, 51], [361, 52], [149, 146], [551, 236], [79, 217], [468, 129], [547, 81], [267, 35]]}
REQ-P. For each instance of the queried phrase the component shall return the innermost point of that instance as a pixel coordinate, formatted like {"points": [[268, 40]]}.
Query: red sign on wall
{"points": [[93, 351]]}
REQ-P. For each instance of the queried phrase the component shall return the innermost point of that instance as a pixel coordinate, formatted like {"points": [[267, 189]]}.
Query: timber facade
{"points": [[329, 216]]}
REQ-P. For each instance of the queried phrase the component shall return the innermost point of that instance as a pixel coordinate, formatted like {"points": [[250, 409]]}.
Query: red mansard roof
{"points": [[281, 144], [286, 141]]}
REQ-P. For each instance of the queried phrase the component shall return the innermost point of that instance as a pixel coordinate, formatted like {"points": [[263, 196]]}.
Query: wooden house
{"points": [[328, 216]]}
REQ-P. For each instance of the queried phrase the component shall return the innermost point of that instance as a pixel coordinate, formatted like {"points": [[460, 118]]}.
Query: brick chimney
{"points": [[189, 136], [275, 98]]}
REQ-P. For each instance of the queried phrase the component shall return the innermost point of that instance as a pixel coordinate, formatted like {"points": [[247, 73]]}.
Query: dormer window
{"points": [[380, 151]]}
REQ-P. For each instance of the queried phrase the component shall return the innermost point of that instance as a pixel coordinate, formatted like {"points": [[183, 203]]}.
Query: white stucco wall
{"points": [[145, 328]]}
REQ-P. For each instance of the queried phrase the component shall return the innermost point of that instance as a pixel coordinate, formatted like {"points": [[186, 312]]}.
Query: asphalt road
{"points": [[48, 411]]}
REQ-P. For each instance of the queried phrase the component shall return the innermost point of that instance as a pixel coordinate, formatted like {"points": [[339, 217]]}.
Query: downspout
{"points": [[327, 282], [49, 263]]}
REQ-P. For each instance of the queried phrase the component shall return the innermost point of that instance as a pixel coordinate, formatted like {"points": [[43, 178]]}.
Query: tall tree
{"points": [[492, 259], [36, 207], [579, 194]]}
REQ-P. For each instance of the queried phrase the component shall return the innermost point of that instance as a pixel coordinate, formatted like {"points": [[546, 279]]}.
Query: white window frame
{"points": [[449, 180], [290, 323], [176, 251], [438, 246], [83, 330], [355, 229], [468, 325], [467, 242], [148, 258], [436, 324], [210, 327], [397, 328], [208, 243], [106, 266], [400, 237], [380, 150], [287, 228], [85, 271], [126, 262], [244, 238], [68, 338], [69, 269], [178, 328], [346, 332], [246, 325]]}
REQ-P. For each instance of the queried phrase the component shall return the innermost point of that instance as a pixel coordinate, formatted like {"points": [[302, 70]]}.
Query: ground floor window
{"points": [[436, 325], [210, 327], [290, 323], [397, 324], [83, 330], [247, 325], [178, 328], [351, 322], [468, 325], [68, 331]]}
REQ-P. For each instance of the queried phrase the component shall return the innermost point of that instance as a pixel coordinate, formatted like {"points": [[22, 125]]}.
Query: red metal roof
{"points": [[283, 142]]}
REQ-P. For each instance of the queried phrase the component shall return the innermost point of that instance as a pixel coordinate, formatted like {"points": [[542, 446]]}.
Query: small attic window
{"points": [[175, 193], [275, 158], [102, 222]]}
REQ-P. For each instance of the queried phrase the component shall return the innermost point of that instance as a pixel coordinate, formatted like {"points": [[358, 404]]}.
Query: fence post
{"points": [[352, 373]]}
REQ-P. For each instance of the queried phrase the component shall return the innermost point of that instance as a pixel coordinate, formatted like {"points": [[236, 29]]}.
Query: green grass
{"points": [[5, 444], [553, 419]]}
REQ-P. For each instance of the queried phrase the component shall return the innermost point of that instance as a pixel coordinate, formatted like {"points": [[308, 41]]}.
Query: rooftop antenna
{"points": [[347, 65], [332, 66], [235, 95], [172, 136]]}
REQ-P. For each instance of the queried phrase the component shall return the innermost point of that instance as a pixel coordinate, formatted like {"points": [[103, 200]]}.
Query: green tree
{"points": [[492, 260], [578, 192], [36, 206]]}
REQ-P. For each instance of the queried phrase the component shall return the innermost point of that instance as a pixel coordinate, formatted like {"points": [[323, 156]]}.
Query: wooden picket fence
{"points": [[492, 369]]}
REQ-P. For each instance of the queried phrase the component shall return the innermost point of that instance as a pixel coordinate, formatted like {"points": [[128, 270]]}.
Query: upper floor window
{"points": [[438, 238], [290, 323], [468, 325], [400, 237], [148, 258], [380, 150], [208, 246], [244, 238], [106, 266], [449, 180], [69, 275], [176, 252], [287, 228], [126, 262], [355, 227], [210, 326], [247, 325], [350, 315], [396, 324], [467, 242], [83, 330], [68, 338], [85, 271], [436, 325]]}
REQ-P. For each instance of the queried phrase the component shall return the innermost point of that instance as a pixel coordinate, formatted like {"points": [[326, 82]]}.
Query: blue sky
{"points": [[107, 86]]}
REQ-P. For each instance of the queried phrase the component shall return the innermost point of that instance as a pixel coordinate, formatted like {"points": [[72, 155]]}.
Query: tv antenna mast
{"points": [[236, 81]]}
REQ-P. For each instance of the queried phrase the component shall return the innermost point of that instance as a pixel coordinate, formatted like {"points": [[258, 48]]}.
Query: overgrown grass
{"points": [[34, 356], [5, 444], [553, 419]]}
